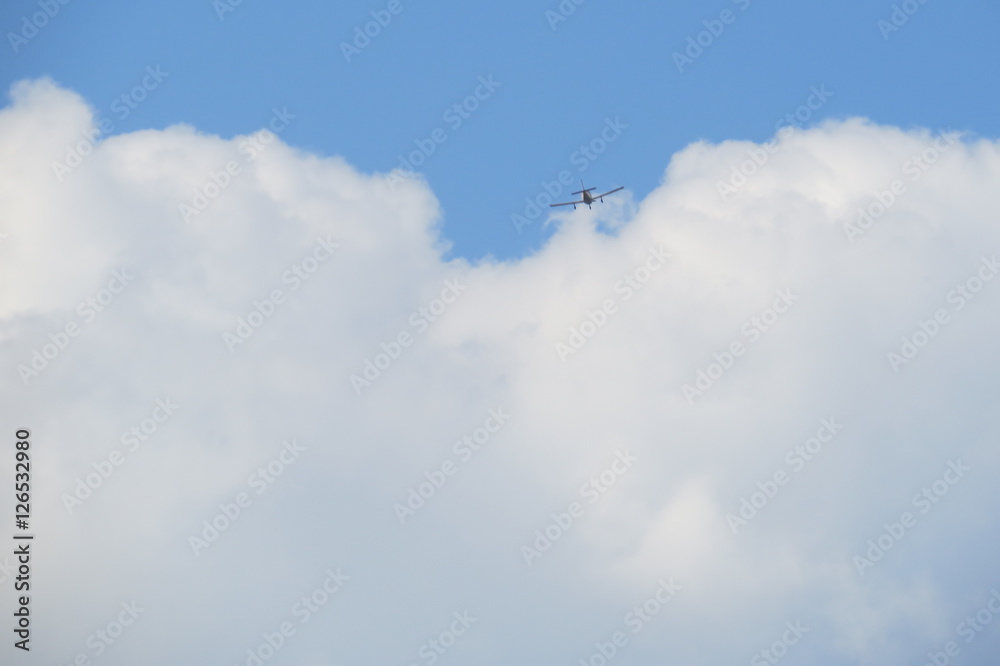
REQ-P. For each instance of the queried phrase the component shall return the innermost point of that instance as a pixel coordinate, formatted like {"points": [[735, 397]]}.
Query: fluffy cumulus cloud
{"points": [[749, 418]]}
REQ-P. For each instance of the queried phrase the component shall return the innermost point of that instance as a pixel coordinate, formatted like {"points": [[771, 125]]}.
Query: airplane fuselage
{"points": [[586, 198]]}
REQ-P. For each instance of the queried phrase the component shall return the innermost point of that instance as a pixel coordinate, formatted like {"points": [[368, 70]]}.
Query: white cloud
{"points": [[495, 346]]}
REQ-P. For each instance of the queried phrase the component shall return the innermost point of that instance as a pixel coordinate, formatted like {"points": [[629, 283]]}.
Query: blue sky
{"points": [[557, 87]]}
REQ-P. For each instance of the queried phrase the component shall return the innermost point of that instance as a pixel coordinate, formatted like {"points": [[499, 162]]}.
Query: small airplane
{"points": [[588, 198]]}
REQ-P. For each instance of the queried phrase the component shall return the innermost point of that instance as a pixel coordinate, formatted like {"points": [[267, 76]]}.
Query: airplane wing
{"points": [[568, 203], [610, 192]]}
